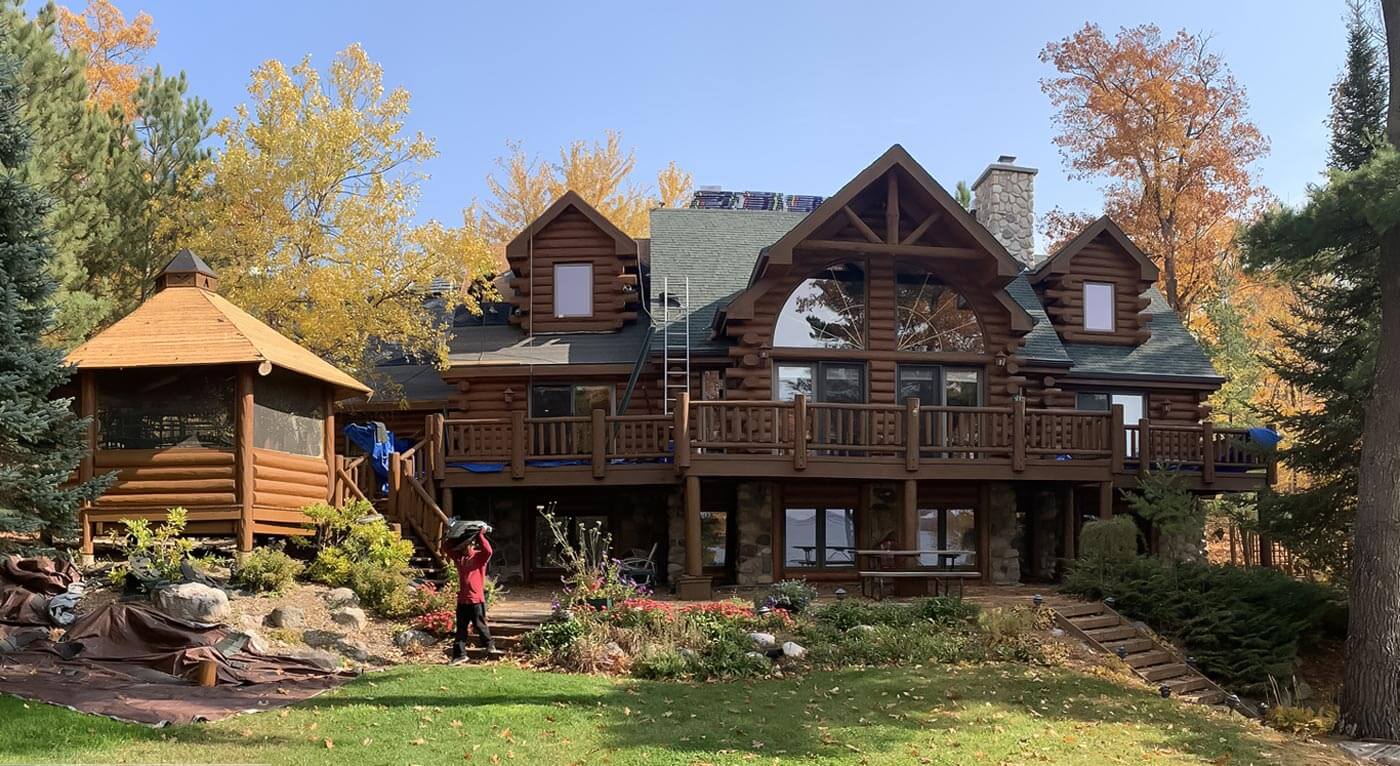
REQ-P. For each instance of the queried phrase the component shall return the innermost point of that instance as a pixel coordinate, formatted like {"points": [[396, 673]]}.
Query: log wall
{"points": [[1102, 260], [573, 238]]}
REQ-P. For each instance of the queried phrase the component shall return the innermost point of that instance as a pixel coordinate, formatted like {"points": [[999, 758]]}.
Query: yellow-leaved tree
{"points": [[310, 216], [600, 171], [115, 50]]}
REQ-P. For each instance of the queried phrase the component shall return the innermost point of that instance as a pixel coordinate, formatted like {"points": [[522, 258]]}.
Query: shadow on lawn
{"points": [[837, 713]]}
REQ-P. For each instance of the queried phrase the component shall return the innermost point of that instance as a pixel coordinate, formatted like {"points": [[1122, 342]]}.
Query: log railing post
{"points": [[681, 435], [799, 432], [599, 429], [1117, 436], [439, 451], [911, 433], [1018, 435], [395, 484], [1144, 445], [243, 457], [1208, 452], [517, 444]]}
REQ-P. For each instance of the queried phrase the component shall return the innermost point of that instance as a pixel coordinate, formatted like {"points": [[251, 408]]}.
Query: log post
{"points": [[243, 456], [1118, 436], [599, 428], [1208, 453], [799, 432], [1106, 500], [911, 434], [87, 409], [1070, 518], [692, 526], [395, 484], [517, 444], [909, 518], [1144, 446], [1018, 435], [681, 430], [329, 447]]}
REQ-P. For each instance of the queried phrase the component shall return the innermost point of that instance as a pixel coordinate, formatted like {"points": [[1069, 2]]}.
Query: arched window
{"points": [[931, 317], [825, 311]]}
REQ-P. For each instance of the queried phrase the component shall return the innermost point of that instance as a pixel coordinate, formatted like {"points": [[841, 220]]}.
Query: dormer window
{"points": [[573, 290], [1098, 307]]}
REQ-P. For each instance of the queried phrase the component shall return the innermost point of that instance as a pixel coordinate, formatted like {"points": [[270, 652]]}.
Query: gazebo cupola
{"points": [[194, 403]]}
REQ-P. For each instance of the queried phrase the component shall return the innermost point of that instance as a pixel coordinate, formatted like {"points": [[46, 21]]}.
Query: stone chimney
{"points": [[1003, 199]]}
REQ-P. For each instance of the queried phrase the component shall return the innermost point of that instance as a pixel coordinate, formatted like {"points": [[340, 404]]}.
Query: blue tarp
{"points": [[365, 436], [1264, 437]]}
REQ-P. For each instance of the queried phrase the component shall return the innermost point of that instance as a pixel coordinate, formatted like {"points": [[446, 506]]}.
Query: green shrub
{"points": [[267, 570], [385, 592], [1108, 541], [845, 615], [884, 644], [345, 540], [1009, 635], [153, 554], [792, 595], [1241, 625], [551, 636], [661, 663]]}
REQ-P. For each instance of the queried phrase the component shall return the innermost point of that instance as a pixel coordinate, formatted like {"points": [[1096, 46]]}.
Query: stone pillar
{"points": [[506, 515], [1045, 524], [1004, 202], [1004, 535], [754, 506], [675, 535]]}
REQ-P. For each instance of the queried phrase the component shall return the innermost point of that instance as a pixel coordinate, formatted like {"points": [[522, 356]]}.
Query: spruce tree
{"points": [[41, 440], [1330, 352]]}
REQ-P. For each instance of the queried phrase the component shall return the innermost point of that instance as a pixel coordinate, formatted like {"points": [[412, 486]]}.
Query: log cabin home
{"points": [[754, 394]]}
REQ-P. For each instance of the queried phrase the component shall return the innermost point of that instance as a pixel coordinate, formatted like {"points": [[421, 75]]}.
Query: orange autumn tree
{"points": [[1165, 123], [115, 50]]}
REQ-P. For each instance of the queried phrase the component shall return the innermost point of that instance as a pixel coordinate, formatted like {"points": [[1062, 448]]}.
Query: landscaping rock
{"points": [[351, 617], [318, 657], [285, 617], [355, 650], [321, 639], [763, 640], [192, 602], [615, 659], [794, 650], [412, 640], [256, 643], [338, 597]]}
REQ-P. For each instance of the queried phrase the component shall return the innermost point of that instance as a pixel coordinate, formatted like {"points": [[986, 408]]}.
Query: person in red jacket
{"points": [[471, 594]]}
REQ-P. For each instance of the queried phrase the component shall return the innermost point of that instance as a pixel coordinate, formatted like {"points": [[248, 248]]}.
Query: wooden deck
{"points": [[777, 439]]}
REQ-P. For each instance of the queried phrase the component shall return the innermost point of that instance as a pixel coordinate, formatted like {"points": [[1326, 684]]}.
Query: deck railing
{"points": [[800, 431]]}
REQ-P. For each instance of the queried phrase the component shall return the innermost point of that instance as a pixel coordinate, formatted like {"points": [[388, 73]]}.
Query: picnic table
{"points": [[809, 554], [942, 579]]}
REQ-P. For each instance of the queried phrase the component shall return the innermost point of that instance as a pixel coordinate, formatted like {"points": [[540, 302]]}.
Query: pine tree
{"points": [[1330, 354], [1357, 121], [41, 441]]}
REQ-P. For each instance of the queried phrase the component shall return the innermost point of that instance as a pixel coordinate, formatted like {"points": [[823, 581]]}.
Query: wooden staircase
{"points": [[1158, 664], [507, 630]]}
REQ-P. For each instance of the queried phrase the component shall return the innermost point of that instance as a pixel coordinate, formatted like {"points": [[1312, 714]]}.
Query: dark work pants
{"points": [[474, 616]]}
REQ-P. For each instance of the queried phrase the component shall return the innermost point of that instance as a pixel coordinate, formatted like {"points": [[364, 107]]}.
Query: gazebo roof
{"points": [[186, 324]]}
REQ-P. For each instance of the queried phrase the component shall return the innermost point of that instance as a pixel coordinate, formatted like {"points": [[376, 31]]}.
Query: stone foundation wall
{"points": [[1043, 518], [1005, 533], [675, 535], [754, 506], [506, 517]]}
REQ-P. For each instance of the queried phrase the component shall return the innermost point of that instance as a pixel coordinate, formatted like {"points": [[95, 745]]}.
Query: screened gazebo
{"points": [[195, 403]]}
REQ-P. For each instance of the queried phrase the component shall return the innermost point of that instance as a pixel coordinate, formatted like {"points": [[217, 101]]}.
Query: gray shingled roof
{"points": [[1042, 342], [717, 250], [507, 344], [411, 382], [1171, 352]]}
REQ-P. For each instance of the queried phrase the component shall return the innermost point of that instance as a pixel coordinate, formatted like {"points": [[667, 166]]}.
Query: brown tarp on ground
{"points": [[133, 663], [27, 584]]}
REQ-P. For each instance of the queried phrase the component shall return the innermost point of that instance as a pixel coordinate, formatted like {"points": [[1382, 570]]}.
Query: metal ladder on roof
{"points": [[674, 312]]}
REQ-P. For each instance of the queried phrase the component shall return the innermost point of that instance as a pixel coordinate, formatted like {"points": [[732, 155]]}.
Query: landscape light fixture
{"points": [[840, 594], [1166, 691], [1037, 599]]}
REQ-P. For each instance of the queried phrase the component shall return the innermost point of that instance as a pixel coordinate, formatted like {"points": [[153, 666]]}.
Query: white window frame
{"points": [[1097, 288], [564, 309]]}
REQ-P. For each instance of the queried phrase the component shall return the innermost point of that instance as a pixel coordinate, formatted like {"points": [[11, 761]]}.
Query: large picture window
{"points": [[1134, 409], [562, 400], [825, 311], [931, 317], [819, 537], [573, 290], [953, 533], [163, 408], [834, 382], [288, 414], [940, 386]]}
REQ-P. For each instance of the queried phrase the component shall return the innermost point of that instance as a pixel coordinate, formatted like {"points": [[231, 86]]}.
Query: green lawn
{"points": [[436, 715]]}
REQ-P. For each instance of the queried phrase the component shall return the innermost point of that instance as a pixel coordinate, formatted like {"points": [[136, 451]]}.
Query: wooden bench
{"points": [[942, 580]]}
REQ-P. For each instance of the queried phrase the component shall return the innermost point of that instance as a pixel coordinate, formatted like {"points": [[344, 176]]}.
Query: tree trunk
{"points": [[1370, 698]]}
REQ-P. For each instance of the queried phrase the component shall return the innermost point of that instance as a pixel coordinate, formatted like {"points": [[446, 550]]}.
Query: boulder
{"points": [[794, 650], [355, 650], [192, 602], [255, 642], [285, 617], [338, 597], [351, 617], [321, 639], [317, 657], [414, 640], [763, 640]]}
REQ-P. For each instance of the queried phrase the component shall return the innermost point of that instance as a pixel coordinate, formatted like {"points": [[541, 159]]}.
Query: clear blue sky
{"points": [[780, 96]]}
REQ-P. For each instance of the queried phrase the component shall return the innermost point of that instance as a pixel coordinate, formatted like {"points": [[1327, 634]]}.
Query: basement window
{"points": [[1098, 307], [573, 290]]}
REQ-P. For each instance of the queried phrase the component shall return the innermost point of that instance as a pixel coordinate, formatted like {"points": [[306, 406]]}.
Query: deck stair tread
{"points": [[1153, 662]]}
